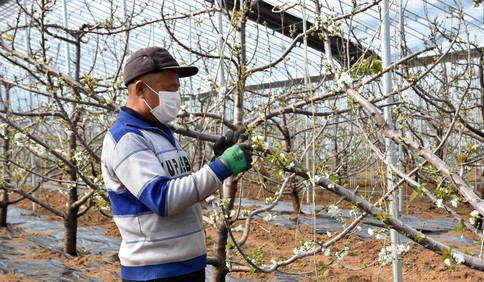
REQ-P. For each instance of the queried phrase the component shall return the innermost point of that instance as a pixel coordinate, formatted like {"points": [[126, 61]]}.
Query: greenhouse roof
{"points": [[265, 42]]}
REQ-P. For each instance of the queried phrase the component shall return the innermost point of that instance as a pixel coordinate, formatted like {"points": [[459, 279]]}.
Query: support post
{"points": [[390, 145]]}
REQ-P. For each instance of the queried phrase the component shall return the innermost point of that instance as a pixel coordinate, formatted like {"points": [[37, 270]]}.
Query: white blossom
{"points": [[265, 146], [291, 165], [243, 214], [20, 139], [472, 220], [454, 202], [371, 231], [3, 128], [316, 178], [458, 257], [327, 252], [381, 236], [333, 210], [79, 157], [473, 217], [447, 261], [208, 80], [238, 228], [384, 257], [329, 234], [386, 253], [439, 203], [340, 255], [258, 138], [210, 198], [344, 81], [307, 246], [355, 213], [269, 217]]}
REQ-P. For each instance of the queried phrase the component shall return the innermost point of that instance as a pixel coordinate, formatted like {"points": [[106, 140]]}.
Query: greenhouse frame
{"points": [[378, 103]]}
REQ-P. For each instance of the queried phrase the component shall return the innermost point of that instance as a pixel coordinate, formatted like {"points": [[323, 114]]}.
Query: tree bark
{"points": [[70, 229], [296, 201], [3, 208], [219, 273], [70, 219], [294, 192], [6, 164]]}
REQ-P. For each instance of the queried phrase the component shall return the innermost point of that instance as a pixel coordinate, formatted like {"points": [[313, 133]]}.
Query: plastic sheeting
{"points": [[436, 228], [14, 257], [49, 235]]}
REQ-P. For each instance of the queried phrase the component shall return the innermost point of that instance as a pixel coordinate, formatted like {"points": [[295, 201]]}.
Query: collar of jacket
{"points": [[132, 118]]}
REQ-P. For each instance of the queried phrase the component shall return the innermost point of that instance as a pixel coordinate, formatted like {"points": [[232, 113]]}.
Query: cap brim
{"points": [[184, 71]]}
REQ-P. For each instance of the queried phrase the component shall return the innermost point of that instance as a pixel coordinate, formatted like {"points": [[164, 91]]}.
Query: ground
{"points": [[277, 242]]}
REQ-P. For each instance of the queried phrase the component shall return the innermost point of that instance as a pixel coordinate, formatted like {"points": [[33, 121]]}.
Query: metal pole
{"points": [[125, 16], [400, 81], [390, 145], [221, 42], [67, 52], [221, 77], [306, 134], [33, 165]]}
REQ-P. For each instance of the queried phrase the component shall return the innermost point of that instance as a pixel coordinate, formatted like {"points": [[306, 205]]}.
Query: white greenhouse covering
{"points": [[200, 32]]}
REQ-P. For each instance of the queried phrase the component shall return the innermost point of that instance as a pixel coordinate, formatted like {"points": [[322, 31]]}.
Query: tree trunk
{"points": [[219, 273], [296, 201], [3, 208], [70, 219], [3, 192], [6, 165], [70, 229]]}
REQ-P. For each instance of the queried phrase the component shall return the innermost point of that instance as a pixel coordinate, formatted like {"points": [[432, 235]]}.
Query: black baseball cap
{"points": [[153, 59]]}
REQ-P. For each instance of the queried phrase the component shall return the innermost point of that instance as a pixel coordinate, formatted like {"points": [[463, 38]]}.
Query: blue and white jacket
{"points": [[155, 198]]}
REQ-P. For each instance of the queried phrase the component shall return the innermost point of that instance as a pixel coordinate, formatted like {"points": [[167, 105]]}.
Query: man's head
{"points": [[150, 60], [149, 71]]}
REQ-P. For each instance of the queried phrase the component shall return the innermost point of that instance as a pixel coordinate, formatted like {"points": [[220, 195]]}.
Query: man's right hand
{"points": [[238, 158]]}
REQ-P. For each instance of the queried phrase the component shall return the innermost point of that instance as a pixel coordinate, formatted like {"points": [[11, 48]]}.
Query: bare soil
{"points": [[277, 242]]}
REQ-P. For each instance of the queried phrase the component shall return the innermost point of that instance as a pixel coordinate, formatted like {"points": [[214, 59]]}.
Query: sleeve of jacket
{"points": [[139, 170]]}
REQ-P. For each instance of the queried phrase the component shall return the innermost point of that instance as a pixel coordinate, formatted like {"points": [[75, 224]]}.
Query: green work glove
{"points": [[237, 158]]}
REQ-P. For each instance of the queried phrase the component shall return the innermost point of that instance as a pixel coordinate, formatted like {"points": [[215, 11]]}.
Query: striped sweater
{"points": [[155, 198]]}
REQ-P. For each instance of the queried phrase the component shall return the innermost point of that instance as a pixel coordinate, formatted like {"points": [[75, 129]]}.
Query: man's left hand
{"points": [[228, 140]]}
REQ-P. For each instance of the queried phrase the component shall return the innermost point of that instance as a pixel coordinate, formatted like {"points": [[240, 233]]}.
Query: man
{"points": [[153, 192]]}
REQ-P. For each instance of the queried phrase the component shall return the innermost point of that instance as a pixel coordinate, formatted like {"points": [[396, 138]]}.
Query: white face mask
{"points": [[167, 110]]}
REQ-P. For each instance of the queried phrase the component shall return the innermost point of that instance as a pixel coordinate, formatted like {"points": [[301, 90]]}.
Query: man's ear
{"points": [[139, 89]]}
